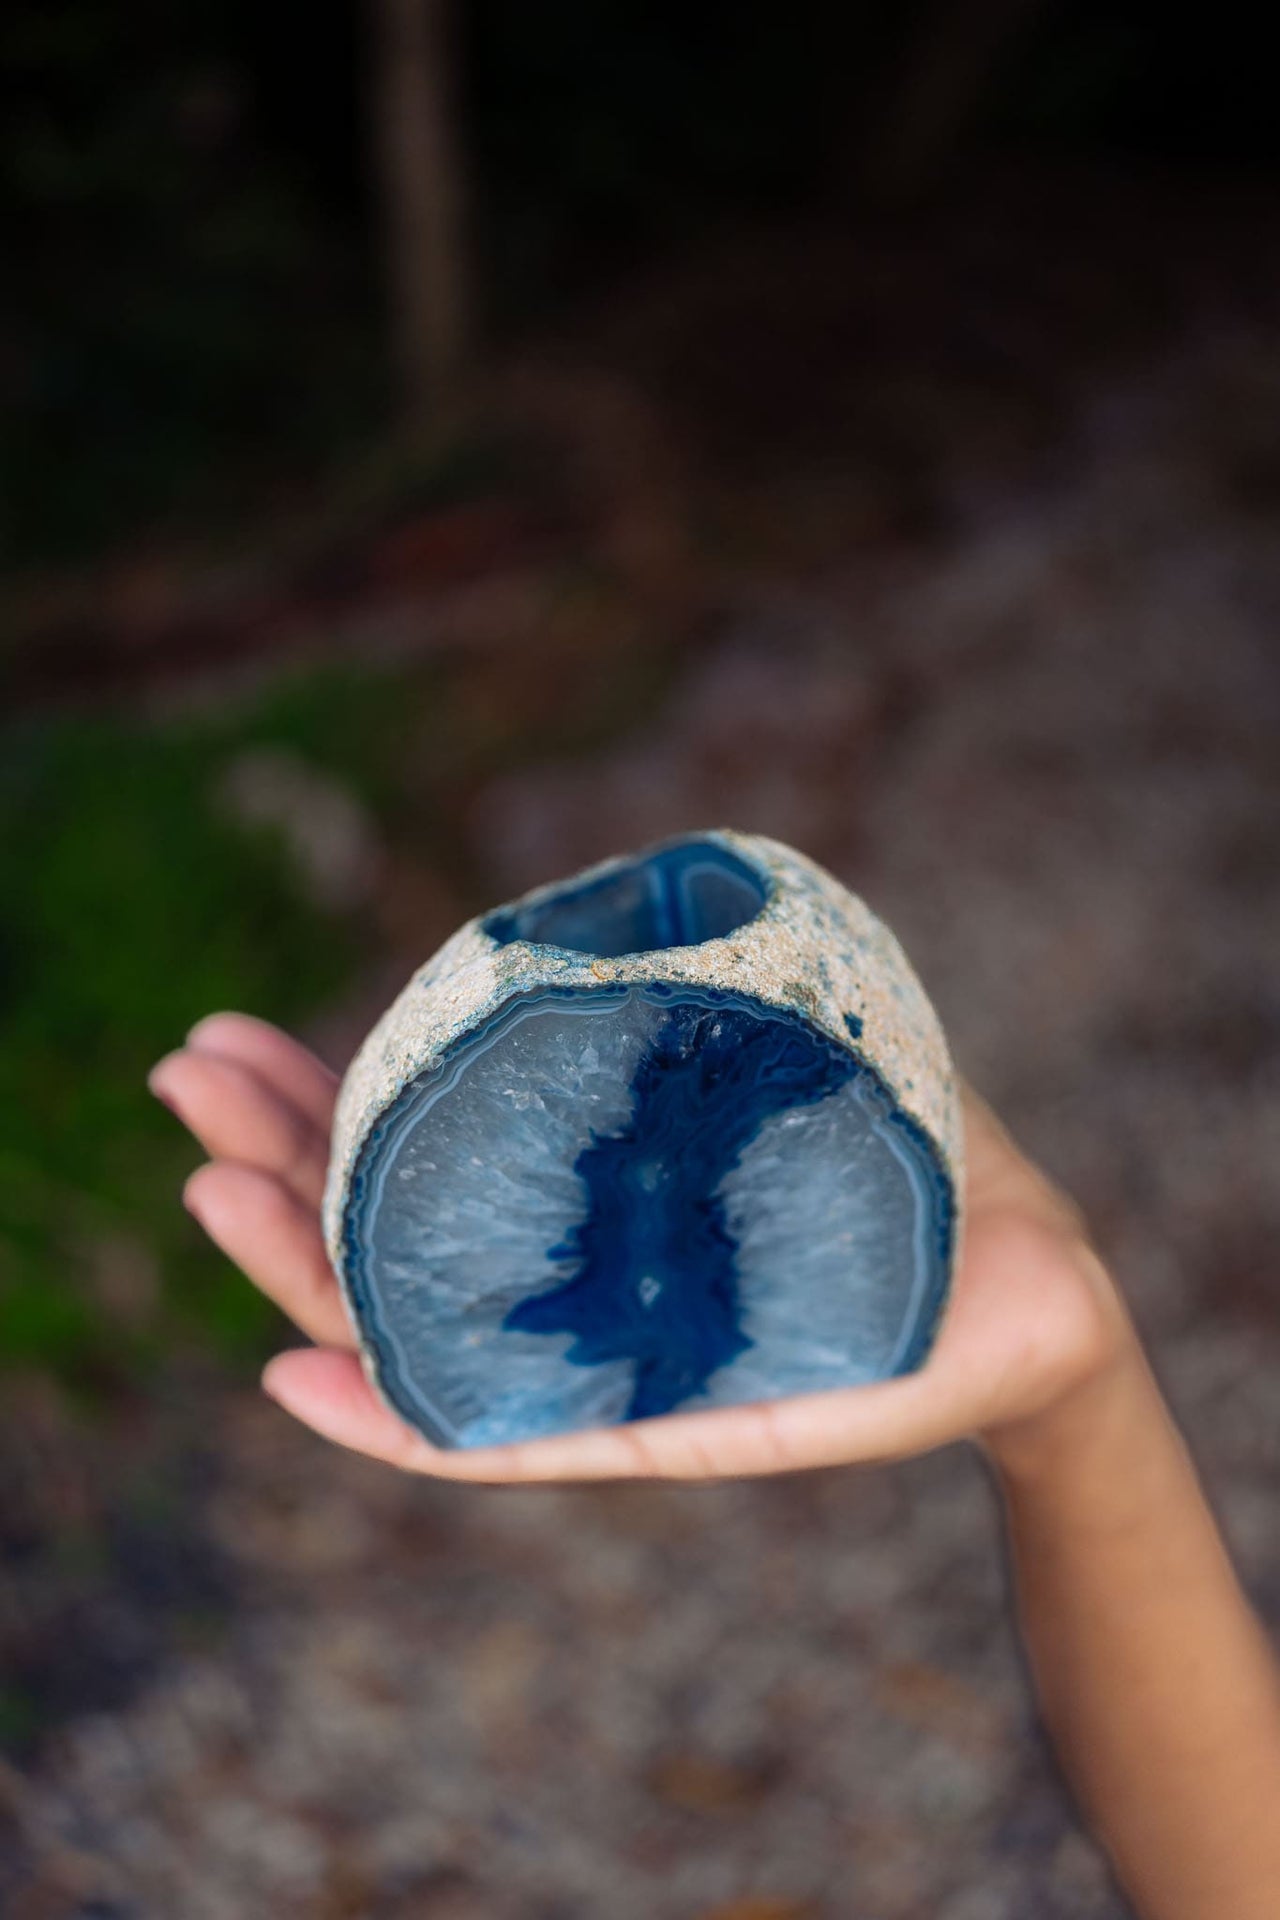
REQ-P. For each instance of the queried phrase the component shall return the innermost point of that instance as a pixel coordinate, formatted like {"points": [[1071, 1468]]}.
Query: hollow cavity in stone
{"points": [[676, 896]]}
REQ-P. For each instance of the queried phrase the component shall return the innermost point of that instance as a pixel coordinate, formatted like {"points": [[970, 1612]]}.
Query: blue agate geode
{"points": [[676, 1133]]}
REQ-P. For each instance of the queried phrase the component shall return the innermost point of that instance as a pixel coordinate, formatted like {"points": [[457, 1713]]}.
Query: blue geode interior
{"points": [[677, 896], [611, 1203]]}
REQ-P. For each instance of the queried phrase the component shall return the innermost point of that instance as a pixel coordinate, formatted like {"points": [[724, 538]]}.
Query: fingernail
{"points": [[267, 1383], [159, 1091], [192, 1203]]}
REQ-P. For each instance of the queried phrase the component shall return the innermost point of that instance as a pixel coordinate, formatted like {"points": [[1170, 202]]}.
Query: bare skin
{"points": [[1155, 1677]]}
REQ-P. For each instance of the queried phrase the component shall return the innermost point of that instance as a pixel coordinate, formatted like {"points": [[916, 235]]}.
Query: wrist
{"points": [[1092, 1439]]}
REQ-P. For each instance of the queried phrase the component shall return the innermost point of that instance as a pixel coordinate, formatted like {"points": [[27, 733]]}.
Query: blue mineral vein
{"points": [[656, 1277]]}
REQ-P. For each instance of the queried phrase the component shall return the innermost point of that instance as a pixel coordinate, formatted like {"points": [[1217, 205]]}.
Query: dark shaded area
{"points": [[193, 312]]}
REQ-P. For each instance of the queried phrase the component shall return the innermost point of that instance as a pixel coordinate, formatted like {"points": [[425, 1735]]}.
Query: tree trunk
{"points": [[422, 177], [951, 57]]}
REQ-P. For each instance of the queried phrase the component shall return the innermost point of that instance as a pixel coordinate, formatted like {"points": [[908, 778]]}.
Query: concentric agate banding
{"points": [[806, 994]]}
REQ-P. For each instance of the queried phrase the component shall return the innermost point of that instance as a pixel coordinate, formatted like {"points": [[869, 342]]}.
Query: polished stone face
{"points": [[611, 1204]]}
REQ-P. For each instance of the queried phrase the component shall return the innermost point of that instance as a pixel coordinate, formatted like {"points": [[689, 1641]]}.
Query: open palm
{"points": [[1033, 1314]]}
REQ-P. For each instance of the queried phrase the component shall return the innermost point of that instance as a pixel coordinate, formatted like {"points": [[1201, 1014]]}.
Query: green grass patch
{"points": [[130, 905]]}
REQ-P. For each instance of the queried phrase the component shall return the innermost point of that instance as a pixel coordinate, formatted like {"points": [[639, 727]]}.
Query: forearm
{"points": [[1155, 1677]]}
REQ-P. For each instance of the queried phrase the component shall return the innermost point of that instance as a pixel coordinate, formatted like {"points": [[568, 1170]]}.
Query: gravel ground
{"points": [[1044, 748]]}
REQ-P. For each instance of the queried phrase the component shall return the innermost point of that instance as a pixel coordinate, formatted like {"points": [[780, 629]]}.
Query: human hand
{"points": [[1033, 1321]]}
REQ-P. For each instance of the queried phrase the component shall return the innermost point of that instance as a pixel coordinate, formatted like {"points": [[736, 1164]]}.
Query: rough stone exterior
{"points": [[814, 949]]}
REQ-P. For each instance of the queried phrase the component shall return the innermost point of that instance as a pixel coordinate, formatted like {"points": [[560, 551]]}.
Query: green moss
{"points": [[129, 906]]}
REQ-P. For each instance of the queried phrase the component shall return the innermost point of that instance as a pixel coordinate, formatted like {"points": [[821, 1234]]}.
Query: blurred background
{"points": [[441, 448]]}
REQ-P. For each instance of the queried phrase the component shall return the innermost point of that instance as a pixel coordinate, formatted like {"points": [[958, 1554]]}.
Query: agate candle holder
{"points": [[678, 1132]]}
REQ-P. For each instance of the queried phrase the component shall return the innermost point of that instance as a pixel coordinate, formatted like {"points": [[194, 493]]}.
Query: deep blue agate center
{"points": [[655, 1279]]}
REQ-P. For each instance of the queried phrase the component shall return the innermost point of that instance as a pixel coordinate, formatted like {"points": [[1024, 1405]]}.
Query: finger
{"points": [[236, 1115], [283, 1062], [276, 1240], [329, 1392]]}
